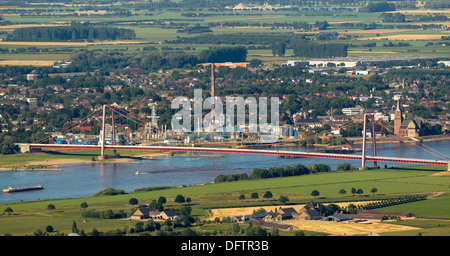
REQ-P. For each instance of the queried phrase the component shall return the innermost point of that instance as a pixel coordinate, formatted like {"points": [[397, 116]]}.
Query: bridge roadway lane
{"points": [[246, 151]]}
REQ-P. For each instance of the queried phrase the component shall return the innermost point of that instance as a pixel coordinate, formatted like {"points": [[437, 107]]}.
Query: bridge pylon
{"points": [[113, 133], [374, 144]]}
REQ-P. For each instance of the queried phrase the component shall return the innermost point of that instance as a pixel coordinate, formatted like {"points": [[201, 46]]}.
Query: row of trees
{"points": [[225, 54], [391, 202], [315, 50], [153, 61], [378, 7], [75, 32], [274, 172]]}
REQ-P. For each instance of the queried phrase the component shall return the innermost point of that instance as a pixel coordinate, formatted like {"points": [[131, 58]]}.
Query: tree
{"points": [[359, 191], [162, 200], [133, 201], [315, 193], [268, 195], [84, 205], [254, 195], [74, 227], [342, 191], [242, 197], [283, 199], [299, 233], [179, 199], [8, 146], [51, 207], [9, 210], [236, 229], [49, 228], [374, 190], [254, 63], [156, 205], [345, 167], [279, 48], [353, 191]]}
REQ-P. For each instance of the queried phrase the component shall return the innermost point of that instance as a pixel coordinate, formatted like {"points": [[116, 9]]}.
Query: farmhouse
{"points": [[145, 213], [168, 215], [257, 216], [278, 216], [283, 227], [309, 215], [337, 218], [149, 213]]}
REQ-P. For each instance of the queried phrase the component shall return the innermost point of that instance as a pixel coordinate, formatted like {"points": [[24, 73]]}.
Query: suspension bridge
{"points": [[107, 141]]}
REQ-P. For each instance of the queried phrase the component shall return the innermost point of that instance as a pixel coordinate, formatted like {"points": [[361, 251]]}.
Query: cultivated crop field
{"points": [[156, 27]]}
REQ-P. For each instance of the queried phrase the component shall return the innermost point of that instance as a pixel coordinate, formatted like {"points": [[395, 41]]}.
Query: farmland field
{"points": [[390, 183], [156, 28]]}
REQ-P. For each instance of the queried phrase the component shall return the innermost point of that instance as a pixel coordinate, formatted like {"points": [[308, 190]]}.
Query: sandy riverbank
{"points": [[53, 164]]}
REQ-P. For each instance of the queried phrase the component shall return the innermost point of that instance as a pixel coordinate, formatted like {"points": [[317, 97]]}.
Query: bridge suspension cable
{"points": [[415, 143], [138, 120], [82, 121]]}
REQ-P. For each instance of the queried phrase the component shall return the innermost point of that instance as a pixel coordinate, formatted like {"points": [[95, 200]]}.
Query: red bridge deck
{"points": [[247, 151]]}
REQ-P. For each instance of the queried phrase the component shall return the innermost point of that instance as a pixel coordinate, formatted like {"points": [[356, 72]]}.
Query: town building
{"points": [[33, 76], [409, 128], [404, 127]]}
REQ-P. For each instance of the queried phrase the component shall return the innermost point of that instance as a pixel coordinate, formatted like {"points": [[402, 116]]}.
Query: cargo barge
{"points": [[10, 189]]}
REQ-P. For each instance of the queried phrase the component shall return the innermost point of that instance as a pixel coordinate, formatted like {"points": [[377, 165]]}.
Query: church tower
{"points": [[398, 119]]}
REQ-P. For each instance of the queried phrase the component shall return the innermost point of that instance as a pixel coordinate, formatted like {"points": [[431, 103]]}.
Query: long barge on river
{"points": [[10, 189]]}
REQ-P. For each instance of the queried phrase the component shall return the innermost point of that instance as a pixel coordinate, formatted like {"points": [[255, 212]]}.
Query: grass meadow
{"points": [[390, 183]]}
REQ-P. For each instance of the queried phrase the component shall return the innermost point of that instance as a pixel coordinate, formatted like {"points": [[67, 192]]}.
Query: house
{"points": [[309, 206], [282, 227], [288, 210], [353, 111], [145, 213], [311, 123], [256, 216], [169, 215], [278, 216], [150, 213], [313, 214], [33, 76], [337, 218]]}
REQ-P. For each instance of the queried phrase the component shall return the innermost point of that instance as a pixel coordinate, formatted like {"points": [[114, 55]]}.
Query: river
{"points": [[81, 180]]}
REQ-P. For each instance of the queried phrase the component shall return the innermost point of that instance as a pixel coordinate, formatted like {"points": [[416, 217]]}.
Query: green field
{"points": [[390, 183], [155, 27]]}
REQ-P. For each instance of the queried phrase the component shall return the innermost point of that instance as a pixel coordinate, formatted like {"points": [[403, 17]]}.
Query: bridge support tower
{"points": [[374, 144], [113, 133]]}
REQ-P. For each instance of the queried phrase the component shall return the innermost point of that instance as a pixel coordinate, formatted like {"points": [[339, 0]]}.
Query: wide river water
{"points": [[81, 180]]}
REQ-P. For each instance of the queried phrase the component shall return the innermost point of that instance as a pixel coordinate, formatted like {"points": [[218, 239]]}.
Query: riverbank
{"points": [[53, 164], [49, 161]]}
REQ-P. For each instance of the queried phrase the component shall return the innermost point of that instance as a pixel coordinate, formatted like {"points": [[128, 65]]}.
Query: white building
{"points": [[353, 111]]}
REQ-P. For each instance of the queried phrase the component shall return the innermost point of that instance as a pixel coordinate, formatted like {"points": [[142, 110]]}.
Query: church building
{"points": [[404, 127]]}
